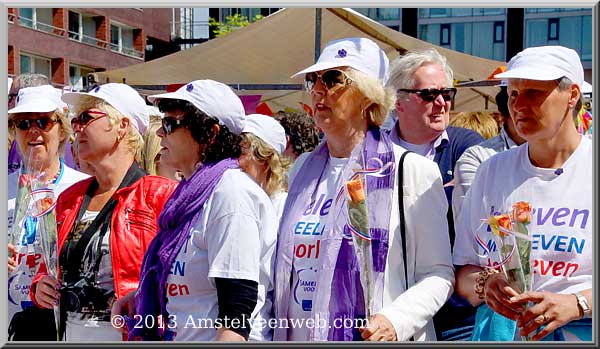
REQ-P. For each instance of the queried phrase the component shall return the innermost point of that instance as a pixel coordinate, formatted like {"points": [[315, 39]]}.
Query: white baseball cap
{"points": [[122, 97], [212, 98], [586, 88], [38, 99], [545, 63], [268, 129], [361, 54]]}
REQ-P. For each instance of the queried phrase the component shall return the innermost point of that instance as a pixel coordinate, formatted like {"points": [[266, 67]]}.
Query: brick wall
{"points": [[102, 30], [139, 40], [59, 20], [11, 60], [60, 74]]}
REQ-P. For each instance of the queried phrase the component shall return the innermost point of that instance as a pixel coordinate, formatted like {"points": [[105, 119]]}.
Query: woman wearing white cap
{"points": [[210, 261], [104, 223], [263, 144], [40, 127], [318, 268], [552, 174]]}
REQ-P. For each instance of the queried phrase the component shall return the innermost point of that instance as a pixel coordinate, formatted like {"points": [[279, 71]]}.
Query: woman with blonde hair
{"points": [[481, 122], [263, 144], [40, 127], [105, 223], [151, 152], [318, 268]]}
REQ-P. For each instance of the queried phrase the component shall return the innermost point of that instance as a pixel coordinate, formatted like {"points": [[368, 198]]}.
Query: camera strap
{"points": [[72, 260]]}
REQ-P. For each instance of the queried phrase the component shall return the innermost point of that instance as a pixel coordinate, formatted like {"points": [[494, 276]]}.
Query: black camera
{"points": [[84, 296]]}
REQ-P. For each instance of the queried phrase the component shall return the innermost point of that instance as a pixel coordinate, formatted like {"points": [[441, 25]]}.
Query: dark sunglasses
{"points": [[43, 123], [430, 94], [170, 124], [84, 119], [330, 78]]}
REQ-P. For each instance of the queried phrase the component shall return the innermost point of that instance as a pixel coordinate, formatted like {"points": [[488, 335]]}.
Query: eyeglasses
{"points": [[330, 78], [170, 124], [84, 119], [43, 123], [430, 94]]}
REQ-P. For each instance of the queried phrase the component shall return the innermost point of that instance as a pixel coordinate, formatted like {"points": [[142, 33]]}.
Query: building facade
{"points": [[484, 32], [66, 44]]}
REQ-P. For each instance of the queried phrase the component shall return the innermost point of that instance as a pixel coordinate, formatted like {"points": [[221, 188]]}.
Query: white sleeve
{"points": [[464, 172], [233, 245], [468, 220], [428, 247], [293, 171]]}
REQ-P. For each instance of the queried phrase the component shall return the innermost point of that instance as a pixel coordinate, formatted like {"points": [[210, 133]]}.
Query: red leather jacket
{"points": [[133, 226]]}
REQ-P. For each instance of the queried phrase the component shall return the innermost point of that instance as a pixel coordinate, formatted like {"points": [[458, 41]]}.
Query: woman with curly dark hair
{"points": [[301, 132], [211, 259]]}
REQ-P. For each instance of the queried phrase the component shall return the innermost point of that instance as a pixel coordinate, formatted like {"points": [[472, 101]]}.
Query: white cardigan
{"points": [[430, 269]]}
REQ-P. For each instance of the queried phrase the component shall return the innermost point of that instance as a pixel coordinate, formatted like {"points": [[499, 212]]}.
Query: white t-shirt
{"points": [[84, 326], [561, 227], [278, 200], [307, 241], [468, 163], [29, 255], [233, 238]]}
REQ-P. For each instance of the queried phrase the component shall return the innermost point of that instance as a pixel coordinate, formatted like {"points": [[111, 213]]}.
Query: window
{"points": [[498, 32], [553, 29], [445, 34], [78, 76], [75, 25], [462, 12], [385, 14], [36, 64], [121, 40], [534, 33], [586, 35], [26, 17], [36, 18], [438, 12]]}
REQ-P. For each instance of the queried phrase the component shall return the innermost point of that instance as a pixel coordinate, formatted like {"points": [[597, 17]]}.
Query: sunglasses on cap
{"points": [[170, 124], [330, 78], [430, 94], [84, 119], [44, 123]]}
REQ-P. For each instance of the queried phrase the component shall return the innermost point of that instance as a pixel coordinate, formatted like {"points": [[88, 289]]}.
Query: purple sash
{"points": [[338, 293]]}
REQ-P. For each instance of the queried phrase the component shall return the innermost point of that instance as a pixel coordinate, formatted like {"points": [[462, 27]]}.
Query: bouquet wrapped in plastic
{"points": [[513, 246], [42, 206], [359, 227], [34, 221]]}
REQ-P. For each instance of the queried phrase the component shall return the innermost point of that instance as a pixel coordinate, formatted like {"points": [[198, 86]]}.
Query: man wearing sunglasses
{"points": [[423, 81]]}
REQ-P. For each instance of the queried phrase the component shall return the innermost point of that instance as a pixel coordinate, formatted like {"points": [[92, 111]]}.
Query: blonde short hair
{"points": [[65, 128], [483, 123], [151, 145], [133, 138], [382, 98], [277, 165]]}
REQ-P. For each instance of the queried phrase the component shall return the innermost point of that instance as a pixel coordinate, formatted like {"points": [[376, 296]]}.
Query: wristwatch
{"points": [[583, 305]]}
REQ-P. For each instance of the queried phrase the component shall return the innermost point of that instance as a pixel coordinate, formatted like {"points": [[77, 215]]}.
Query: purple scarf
{"points": [[339, 293], [175, 223]]}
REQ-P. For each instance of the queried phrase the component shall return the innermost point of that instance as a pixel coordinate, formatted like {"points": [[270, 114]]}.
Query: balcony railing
{"points": [[86, 39], [128, 51], [40, 26]]}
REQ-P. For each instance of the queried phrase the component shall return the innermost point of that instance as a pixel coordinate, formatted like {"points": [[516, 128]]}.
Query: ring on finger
{"points": [[541, 319]]}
